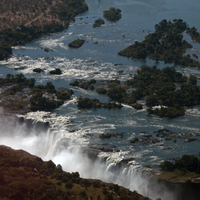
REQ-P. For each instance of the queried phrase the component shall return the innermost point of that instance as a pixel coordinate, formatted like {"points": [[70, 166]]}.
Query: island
{"points": [[19, 95], [166, 92], [98, 22], [76, 43], [113, 14], [165, 44]]}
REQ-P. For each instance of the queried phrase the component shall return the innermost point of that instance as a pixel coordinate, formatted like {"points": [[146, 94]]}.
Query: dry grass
{"points": [[177, 176], [14, 13], [24, 176]]}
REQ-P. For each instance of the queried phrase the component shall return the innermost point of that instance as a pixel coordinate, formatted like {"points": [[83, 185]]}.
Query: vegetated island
{"points": [[20, 95], [185, 171], [165, 92], [98, 22], [187, 163], [24, 21], [113, 14], [180, 177], [76, 43], [95, 103], [25, 176], [56, 71], [165, 44], [194, 34]]}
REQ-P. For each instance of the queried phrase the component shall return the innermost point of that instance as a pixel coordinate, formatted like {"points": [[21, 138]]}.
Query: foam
{"points": [[71, 69]]}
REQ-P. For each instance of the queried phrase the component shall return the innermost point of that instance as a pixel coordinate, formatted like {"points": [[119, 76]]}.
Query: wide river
{"points": [[72, 128]]}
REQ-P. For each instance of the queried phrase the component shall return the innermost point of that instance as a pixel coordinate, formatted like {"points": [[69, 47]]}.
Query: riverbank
{"points": [[35, 21], [186, 185]]}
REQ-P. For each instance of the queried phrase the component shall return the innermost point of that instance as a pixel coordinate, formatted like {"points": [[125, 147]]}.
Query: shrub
{"points": [[134, 140], [167, 166], [69, 184], [56, 71], [106, 135], [98, 22], [76, 43], [38, 70], [137, 106], [75, 83], [112, 14], [101, 90]]}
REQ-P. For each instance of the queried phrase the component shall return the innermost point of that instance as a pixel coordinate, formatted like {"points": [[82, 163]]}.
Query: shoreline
{"points": [[56, 19]]}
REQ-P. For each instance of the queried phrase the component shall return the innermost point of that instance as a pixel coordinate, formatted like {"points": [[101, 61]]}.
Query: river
{"points": [[98, 59]]}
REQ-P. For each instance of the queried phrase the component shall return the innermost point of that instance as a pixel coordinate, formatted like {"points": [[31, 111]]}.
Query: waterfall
{"points": [[51, 143]]}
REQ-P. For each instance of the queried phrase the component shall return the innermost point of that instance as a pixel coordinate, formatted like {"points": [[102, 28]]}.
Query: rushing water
{"points": [[98, 59]]}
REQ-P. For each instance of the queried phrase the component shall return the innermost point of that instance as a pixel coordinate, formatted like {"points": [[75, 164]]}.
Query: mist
{"points": [[51, 144]]}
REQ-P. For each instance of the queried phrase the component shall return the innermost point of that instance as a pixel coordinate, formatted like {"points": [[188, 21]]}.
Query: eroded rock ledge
{"points": [[25, 176]]}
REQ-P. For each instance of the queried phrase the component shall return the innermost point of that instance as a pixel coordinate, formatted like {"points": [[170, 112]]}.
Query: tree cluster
{"points": [[186, 163], [112, 14], [74, 7], [84, 84], [23, 35], [38, 70], [166, 92], [52, 100], [194, 34], [76, 43], [98, 22], [42, 97], [95, 103], [166, 44], [166, 88], [56, 71]]}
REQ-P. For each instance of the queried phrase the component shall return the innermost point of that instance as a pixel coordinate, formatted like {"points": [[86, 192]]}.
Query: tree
{"points": [[192, 79], [167, 166]]}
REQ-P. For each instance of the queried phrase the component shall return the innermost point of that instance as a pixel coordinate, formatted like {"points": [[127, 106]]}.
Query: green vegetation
{"points": [[186, 163], [166, 92], [24, 34], [165, 88], [75, 83], [137, 106], [194, 34], [73, 8], [24, 176], [44, 97], [95, 103], [17, 97], [76, 43], [105, 135], [38, 70], [84, 84], [98, 22], [101, 90], [16, 83], [160, 90], [56, 71], [165, 44], [109, 135], [112, 14]]}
